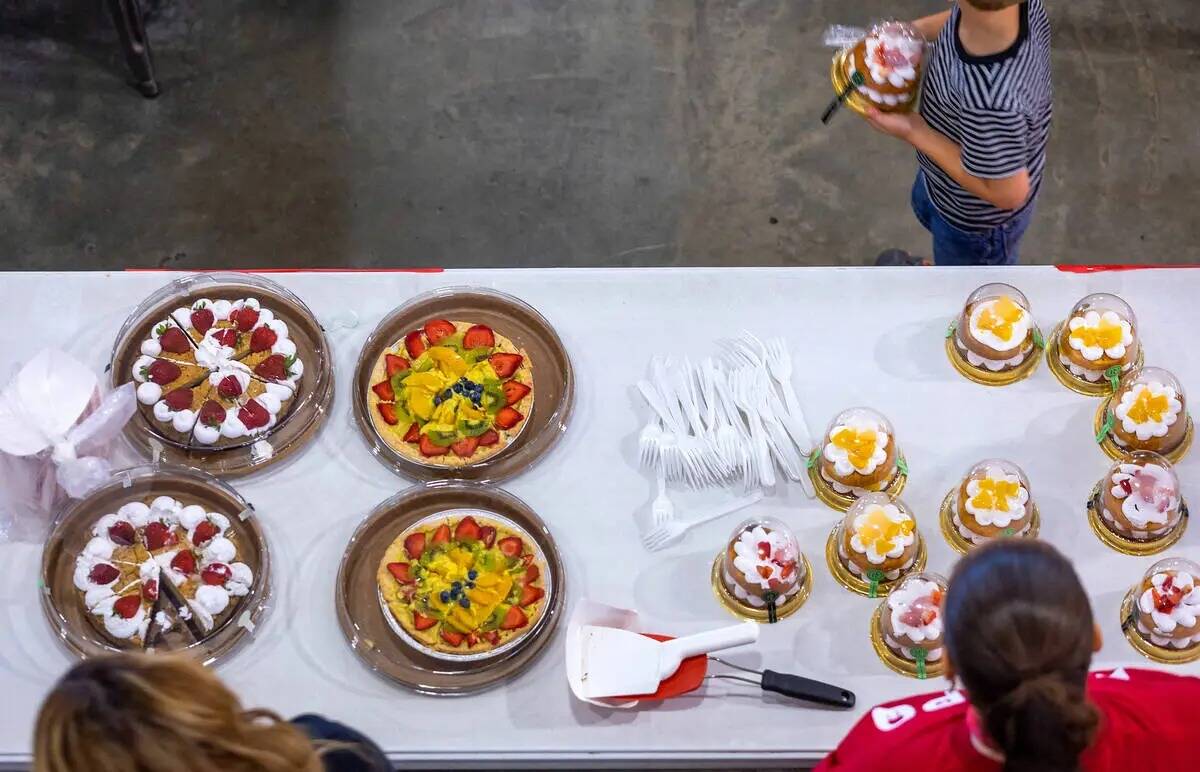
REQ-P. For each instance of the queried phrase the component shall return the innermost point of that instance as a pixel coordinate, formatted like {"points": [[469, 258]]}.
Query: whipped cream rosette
{"points": [[995, 338], [1148, 412], [1138, 504], [1096, 344], [1164, 611], [762, 571], [909, 624], [876, 543], [992, 501], [890, 59], [857, 456]]}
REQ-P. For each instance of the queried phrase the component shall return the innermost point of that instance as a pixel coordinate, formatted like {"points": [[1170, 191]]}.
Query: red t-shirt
{"points": [[1148, 722]]}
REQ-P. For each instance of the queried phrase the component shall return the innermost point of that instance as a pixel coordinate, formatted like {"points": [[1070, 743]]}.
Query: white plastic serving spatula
{"points": [[622, 662]]}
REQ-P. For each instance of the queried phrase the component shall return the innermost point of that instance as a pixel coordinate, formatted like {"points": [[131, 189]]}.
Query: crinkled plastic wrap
{"points": [[56, 440]]}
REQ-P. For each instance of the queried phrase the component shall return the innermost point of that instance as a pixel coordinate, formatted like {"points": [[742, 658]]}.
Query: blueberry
{"points": [[445, 596], [447, 394], [456, 585], [437, 399], [470, 585], [464, 602], [472, 574], [454, 593]]}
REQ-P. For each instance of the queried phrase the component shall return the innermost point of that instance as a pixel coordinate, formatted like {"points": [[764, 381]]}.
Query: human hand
{"points": [[902, 125]]}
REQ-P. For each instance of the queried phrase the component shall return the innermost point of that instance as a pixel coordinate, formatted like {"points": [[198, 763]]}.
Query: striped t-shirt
{"points": [[997, 107]]}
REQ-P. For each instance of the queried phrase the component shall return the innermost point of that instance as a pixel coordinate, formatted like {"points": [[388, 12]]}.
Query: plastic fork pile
{"points": [[727, 420]]}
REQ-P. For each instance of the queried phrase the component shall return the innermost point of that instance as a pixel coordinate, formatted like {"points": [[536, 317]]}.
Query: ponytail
{"points": [[1042, 725]]}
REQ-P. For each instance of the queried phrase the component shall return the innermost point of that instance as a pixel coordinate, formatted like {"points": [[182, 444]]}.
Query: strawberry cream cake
{"points": [[1139, 498], [911, 618], [1168, 605], [762, 565]]}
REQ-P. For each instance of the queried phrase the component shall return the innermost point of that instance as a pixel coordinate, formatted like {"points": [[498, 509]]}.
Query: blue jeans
{"points": [[953, 245]]}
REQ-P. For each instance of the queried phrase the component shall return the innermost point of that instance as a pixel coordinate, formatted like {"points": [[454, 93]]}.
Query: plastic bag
{"points": [[839, 36], [56, 434]]}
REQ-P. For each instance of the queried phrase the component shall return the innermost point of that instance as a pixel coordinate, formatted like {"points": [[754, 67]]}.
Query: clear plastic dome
{"points": [[1139, 497], [761, 557], [996, 325], [879, 532], [911, 616], [859, 449], [1167, 604], [1100, 332], [1149, 410]]}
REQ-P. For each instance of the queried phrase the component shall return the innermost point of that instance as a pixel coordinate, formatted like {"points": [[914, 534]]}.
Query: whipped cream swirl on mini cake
{"points": [[858, 445], [997, 499], [1147, 494], [1171, 601], [766, 559], [1148, 410], [915, 613], [891, 58], [882, 532], [1095, 335]]}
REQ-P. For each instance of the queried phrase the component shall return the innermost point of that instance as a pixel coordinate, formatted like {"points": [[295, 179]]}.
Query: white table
{"points": [[869, 336]]}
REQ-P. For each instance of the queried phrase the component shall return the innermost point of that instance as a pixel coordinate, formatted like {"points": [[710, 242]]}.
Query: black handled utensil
{"points": [[789, 685], [856, 80]]}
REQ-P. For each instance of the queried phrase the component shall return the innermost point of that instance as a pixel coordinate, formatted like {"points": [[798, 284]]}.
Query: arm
{"points": [[931, 26]]}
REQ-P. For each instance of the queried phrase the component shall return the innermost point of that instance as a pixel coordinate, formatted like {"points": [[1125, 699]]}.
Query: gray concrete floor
{"points": [[533, 133]]}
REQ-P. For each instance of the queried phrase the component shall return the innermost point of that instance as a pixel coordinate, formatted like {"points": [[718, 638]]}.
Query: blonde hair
{"points": [[155, 713]]}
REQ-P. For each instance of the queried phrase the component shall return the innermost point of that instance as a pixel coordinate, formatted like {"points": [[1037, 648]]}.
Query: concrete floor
{"points": [[514, 132]]}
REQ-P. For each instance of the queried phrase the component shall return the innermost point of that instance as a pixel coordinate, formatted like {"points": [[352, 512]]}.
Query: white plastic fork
{"points": [[662, 510], [670, 532], [779, 363], [758, 441], [758, 389]]}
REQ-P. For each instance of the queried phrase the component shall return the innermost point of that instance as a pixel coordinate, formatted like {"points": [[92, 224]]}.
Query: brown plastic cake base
{"points": [[854, 583], [1116, 452], [904, 667], [1078, 385], [739, 609], [985, 377], [1159, 654], [1130, 546], [959, 542]]}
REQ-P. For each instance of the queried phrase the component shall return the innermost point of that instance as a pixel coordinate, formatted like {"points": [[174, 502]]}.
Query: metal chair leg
{"points": [[127, 16]]}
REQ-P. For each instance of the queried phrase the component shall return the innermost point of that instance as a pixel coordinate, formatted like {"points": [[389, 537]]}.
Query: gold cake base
{"points": [[1129, 546], [905, 667], [987, 377], [855, 99], [960, 543], [857, 584], [843, 501], [1078, 385], [1116, 452], [1160, 654], [739, 609]]}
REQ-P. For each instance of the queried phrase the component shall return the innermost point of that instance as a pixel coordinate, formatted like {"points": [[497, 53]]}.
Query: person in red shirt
{"points": [[1019, 636]]}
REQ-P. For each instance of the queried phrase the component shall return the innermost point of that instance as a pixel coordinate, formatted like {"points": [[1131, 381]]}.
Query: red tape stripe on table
{"points": [[1120, 267], [284, 270]]}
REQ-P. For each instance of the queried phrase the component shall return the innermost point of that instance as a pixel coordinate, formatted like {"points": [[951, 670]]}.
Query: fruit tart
{"points": [[217, 374], [995, 335], [859, 455], [910, 621], [1138, 500], [992, 501], [1148, 412], [762, 570], [877, 542], [463, 584], [120, 573], [1167, 605], [450, 394], [1098, 342]]}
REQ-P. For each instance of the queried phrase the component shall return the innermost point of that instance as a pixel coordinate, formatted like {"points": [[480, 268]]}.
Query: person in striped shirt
{"points": [[982, 128]]}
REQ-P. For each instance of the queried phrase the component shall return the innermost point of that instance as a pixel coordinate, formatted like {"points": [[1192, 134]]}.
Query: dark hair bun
{"points": [[1045, 722]]}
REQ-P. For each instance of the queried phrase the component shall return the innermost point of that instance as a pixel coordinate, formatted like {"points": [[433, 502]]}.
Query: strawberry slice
{"points": [[127, 605], [441, 535], [505, 364], [515, 619], [414, 344], [414, 545], [467, 530], [395, 364], [262, 339], [216, 574], [384, 391], [452, 638], [438, 329], [212, 414], [401, 572], [273, 368], [162, 372], [229, 387], [227, 337], [511, 546], [202, 319], [479, 336], [204, 533], [184, 562], [465, 448], [429, 449], [423, 623], [245, 318], [158, 535], [492, 637], [507, 418], [472, 640], [488, 438], [150, 590], [103, 573], [413, 434], [388, 411], [514, 392], [527, 559], [174, 340], [254, 415], [531, 595], [487, 535], [179, 399], [532, 574], [121, 532]]}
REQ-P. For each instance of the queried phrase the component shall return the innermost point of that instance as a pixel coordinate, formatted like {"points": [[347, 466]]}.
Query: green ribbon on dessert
{"points": [[812, 459], [770, 598], [950, 330], [1109, 420], [875, 576], [919, 655], [1113, 374], [1007, 532], [1038, 340], [902, 465]]}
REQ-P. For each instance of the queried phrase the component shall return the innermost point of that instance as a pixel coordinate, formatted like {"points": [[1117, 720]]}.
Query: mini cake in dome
{"points": [[1167, 605], [1149, 412], [993, 501], [878, 540], [910, 620], [858, 455], [1139, 498], [890, 59], [762, 565], [995, 334], [1099, 339]]}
